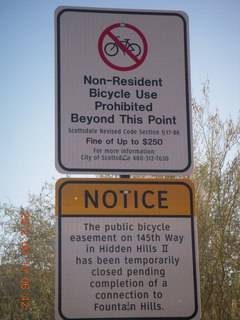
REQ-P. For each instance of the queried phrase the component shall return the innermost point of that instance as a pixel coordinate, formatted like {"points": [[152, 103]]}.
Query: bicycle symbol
{"points": [[112, 48], [110, 45]]}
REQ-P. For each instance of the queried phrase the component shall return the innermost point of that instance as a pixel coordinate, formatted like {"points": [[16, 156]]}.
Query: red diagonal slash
{"points": [[122, 46], [137, 60]]}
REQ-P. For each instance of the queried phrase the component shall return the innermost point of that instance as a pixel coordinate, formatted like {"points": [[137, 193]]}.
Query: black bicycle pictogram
{"points": [[112, 48]]}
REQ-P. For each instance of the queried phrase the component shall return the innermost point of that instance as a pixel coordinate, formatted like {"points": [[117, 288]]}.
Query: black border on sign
{"points": [[58, 87], [60, 215]]}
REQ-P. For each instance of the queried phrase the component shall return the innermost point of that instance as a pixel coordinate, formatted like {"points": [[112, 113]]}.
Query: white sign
{"points": [[126, 249], [123, 91]]}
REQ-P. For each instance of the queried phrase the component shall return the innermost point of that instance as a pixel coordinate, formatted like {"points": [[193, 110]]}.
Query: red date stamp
{"points": [[25, 264]]}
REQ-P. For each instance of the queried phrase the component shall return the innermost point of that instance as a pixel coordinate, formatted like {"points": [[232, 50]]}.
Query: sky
{"points": [[27, 78]]}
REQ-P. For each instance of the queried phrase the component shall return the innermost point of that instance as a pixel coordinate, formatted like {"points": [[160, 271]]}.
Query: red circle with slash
{"points": [[136, 61]]}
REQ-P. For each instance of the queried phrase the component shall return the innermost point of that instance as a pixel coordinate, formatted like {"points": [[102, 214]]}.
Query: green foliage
{"points": [[40, 259], [217, 179]]}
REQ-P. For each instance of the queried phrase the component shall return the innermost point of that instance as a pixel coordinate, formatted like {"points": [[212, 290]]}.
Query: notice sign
{"points": [[123, 91], [126, 249]]}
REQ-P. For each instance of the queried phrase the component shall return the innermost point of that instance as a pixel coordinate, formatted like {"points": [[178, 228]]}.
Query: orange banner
{"points": [[125, 197]]}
